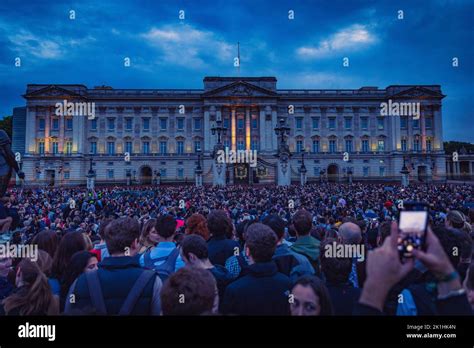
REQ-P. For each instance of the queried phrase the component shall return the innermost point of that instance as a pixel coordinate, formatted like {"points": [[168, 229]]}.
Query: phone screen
{"points": [[412, 228]]}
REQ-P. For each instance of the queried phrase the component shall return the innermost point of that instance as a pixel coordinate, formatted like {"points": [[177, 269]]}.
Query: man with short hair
{"points": [[119, 286], [283, 253], [220, 247], [336, 272], [352, 235], [264, 290], [194, 253], [165, 252], [189, 291], [305, 244]]}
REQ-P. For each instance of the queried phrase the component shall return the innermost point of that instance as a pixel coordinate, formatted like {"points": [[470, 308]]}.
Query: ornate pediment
{"points": [[240, 89], [52, 91], [418, 92]]}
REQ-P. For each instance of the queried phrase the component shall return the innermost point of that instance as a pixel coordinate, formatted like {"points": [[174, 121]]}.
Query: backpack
{"points": [[244, 266], [285, 263], [165, 269], [97, 298]]}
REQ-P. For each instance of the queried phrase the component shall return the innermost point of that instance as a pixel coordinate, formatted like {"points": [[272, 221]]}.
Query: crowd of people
{"points": [[235, 250]]}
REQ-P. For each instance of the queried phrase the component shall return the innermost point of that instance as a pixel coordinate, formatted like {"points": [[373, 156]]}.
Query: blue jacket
{"points": [[117, 275], [263, 291], [220, 249], [304, 267]]}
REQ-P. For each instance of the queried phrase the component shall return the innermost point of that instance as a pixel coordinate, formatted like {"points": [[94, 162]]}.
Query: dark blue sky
{"points": [[306, 52]]}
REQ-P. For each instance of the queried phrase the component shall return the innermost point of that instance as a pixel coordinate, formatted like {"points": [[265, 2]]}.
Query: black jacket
{"points": [[117, 275], [263, 291], [343, 297], [220, 249]]}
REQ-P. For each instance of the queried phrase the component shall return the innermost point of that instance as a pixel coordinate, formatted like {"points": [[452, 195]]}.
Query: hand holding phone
{"points": [[412, 225]]}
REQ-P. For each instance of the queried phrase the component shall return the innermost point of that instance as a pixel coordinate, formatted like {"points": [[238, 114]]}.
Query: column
{"points": [[233, 131], [61, 134], [75, 134], [274, 136], [81, 120], [47, 128], [207, 132], [438, 128], [262, 128], [30, 131], [423, 131], [247, 128]]}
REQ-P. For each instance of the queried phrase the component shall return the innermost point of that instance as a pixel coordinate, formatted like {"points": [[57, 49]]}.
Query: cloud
{"points": [[188, 46], [352, 38], [25, 42]]}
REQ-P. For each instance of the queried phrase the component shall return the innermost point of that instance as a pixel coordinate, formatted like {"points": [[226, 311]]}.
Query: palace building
{"points": [[168, 132]]}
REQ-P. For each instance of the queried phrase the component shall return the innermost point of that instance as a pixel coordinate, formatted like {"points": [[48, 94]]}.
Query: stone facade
{"points": [[342, 131]]}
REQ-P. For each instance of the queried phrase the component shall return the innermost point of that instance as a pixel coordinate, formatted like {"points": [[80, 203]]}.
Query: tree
{"points": [[451, 146]]}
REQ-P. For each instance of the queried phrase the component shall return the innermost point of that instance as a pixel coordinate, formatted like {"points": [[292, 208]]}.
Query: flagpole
{"points": [[238, 55]]}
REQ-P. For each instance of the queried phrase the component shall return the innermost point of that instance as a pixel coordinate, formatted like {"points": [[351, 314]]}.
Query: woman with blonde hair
{"points": [[148, 236], [33, 295]]}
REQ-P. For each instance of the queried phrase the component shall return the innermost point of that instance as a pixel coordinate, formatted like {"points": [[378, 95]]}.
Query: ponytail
{"points": [[35, 297]]}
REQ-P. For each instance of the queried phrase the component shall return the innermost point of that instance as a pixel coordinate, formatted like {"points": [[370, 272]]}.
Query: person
{"points": [[6, 220], [305, 244], [47, 240], [70, 243], [469, 286], [336, 272], [6, 286], [194, 253], [263, 291], [385, 269], [197, 224], [284, 256], [165, 257], [32, 295], [7, 163], [81, 262], [148, 237], [189, 291], [310, 297], [351, 234], [419, 297], [100, 249], [383, 232], [119, 286], [219, 246], [456, 219]]}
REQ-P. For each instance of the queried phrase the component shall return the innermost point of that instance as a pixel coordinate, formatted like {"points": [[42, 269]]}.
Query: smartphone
{"points": [[412, 225]]}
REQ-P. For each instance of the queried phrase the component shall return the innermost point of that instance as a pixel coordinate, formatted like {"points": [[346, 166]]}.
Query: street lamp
{"points": [[219, 129], [281, 131], [303, 169], [90, 176], [405, 172], [199, 170]]}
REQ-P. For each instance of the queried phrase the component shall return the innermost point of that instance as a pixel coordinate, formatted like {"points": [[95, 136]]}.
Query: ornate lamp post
{"points": [[284, 155], [303, 169], [90, 176], [219, 167], [405, 172], [199, 170], [349, 175]]}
